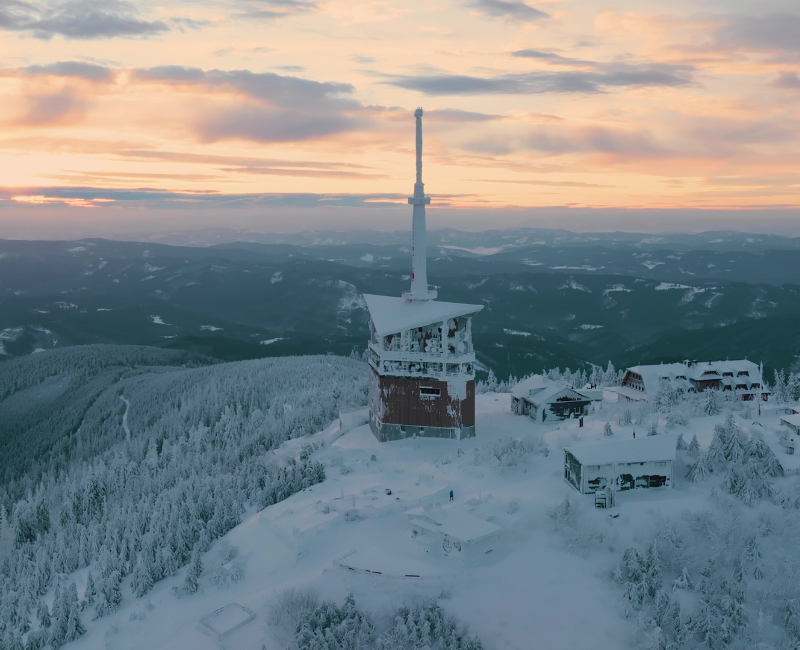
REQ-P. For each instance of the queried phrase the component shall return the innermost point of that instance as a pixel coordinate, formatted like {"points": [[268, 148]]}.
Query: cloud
{"points": [[268, 87], [258, 124], [613, 75], [62, 107], [152, 198], [273, 9], [778, 32], [269, 108], [77, 19], [550, 57], [787, 80], [508, 9], [560, 141], [69, 69], [456, 115]]}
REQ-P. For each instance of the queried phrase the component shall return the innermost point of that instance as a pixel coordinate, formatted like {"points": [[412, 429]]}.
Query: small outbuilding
{"points": [[541, 398], [791, 421], [452, 532], [621, 465]]}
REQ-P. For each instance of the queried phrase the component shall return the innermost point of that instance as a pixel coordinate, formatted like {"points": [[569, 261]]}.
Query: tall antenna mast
{"points": [[419, 261]]}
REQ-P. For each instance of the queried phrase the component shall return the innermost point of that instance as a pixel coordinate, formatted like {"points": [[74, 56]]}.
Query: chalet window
{"points": [[743, 373], [430, 391], [661, 464]]}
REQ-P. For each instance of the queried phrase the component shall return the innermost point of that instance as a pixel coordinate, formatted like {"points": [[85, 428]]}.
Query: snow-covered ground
{"points": [[532, 592]]}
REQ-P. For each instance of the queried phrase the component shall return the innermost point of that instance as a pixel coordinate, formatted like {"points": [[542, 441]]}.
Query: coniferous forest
{"points": [[132, 461]]}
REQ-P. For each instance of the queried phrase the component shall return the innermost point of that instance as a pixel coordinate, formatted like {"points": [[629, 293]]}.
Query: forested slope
{"points": [[50, 400], [193, 458]]}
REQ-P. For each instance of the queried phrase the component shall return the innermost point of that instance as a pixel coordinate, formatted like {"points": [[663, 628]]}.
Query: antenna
{"points": [[419, 244]]}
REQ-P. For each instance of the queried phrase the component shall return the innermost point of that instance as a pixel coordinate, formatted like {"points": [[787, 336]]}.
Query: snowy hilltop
{"points": [[248, 505]]}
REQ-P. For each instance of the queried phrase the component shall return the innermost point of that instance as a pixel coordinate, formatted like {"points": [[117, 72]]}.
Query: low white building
{"points": [[741, 377], [631, 464], [792, 422], [452, 532], [541, 398]]}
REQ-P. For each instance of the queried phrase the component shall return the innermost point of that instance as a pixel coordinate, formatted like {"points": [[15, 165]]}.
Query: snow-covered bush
{"points": [[426, 626], [746, 462], [326, 626], [504, 454], [228, 567], [330, 627], [290, 606], [578, 534]]}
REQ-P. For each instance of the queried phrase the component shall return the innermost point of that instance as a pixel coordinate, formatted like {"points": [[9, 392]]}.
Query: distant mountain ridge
{"points": [[545, 306], [482, 242]]}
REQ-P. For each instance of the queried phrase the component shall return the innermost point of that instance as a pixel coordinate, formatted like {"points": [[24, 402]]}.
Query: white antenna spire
{"points": [[419, 262]]}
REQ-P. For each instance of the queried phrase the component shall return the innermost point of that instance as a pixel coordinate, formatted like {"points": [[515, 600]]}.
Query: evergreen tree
{"points": [[680, 444], [43, 615], [74, 627], [191, 582], [711, 402], [694, 446], [142, 580]]}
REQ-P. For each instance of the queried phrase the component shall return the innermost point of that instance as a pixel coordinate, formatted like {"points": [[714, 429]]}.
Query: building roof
{"points": [[538, 390], [673, 372], [794, 420], [453, 522], [630, 393], [634, 450], [391, 315], [532, 383]]}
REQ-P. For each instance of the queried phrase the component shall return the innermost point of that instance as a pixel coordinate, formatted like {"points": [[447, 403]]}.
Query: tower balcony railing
{"points": [[399, 355], [441, 375]]}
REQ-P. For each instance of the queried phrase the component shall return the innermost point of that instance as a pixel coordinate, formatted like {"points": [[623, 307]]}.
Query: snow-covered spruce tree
{"points": [[780, 392], [694, 446], [793, 386], [191, 582], [142, 580], [666, 397], [711, 402], [653, 428], [680, 443]]}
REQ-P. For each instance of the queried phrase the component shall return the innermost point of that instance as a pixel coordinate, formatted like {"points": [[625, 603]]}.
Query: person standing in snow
{"points": [[451, 495]]}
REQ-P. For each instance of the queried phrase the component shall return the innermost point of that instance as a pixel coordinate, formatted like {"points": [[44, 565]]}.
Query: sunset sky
{"points": [[292, 114]]}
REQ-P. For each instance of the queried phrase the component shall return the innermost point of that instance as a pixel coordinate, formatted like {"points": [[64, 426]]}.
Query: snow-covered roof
{"points": [[673, 372], [630, 393], [532, 383], [634, 450], [391, 315], [538, 390], [794, 420], [453, 522]]}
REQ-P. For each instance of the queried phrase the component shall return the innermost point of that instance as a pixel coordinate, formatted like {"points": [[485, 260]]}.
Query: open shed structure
{"points": [[421, 359], [452, 532], [621, 465]]}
